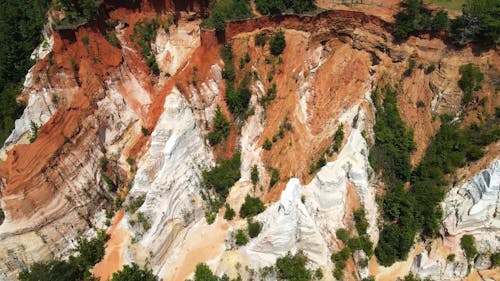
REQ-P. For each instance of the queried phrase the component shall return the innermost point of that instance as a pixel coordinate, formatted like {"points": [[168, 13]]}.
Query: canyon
{"points": [[152, 131]]}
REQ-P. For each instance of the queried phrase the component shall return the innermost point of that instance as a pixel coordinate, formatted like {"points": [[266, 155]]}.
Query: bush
{"points": [[251, 207], [274, 7], [275, 177], [221, 129], [430, 69], [254, 174], [468, 244], [133, 273], [293, 268], [277, 43], [361, 222], [338, 138], [254, 228], [223, 175], [470, 81], [268, 144], [203, 273], [144, 34], [135, 203], [241, 237], [342, 234], [495, 259], [260, 39], [113, 40], [230, 213], [450, 258], [33, 131]]}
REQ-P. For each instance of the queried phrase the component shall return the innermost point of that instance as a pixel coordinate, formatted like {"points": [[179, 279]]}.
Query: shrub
{"points": [[361, 222], [33, 131], [135, 203], [470, 81], [420, 104], [277, 43], [251, 207], [241, 237], [223, 175], [415, 17], [293, 268], [254, 174], [144, 34], [275, 177], [2, 216], [468, 244], [268, 144], [254, 228], [230, 213], [450, 258], [430, 69], [338, 137], [221, 129], [210, 217], [260, 39], [133, 273], [203, 273], [274, 7], [342, 234], [440, 21], [479, 22], [495, 259]]}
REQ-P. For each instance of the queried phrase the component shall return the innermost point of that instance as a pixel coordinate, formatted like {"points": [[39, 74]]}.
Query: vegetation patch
{"points": [[221, 129], [144, 34], [251, 207], [134, 273], [274, 7], [470, 81], [227, 10]]}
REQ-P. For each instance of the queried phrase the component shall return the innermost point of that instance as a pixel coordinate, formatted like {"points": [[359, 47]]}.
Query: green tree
{"points": [[470, 81], [254, 228], [293, 268], [241, 237], [223, 175], [468, 244], [277, 43], [230, 213], [203, 273], [251, 207], [480, 22], [221, 129], [133, 273], [254, 174]]}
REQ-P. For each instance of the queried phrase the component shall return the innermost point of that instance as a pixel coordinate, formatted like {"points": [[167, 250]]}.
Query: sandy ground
{"points": [[114, 258], [203, 243]]}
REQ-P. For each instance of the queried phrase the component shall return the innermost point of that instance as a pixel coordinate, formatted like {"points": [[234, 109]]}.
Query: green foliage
{"points": [[77, 12], [415, 17], [143, 220], [203, 273], [338, 138], [210, 217], [227, 10], [369, 278], [275, 176], [340, 260], [133, 273], [361, 222], [221, 128], [254, 228], [230, 213], [2, 216], [393, 141], [470, 81], [241, 237], [430, 69], [411, 67], [450, 258], [260, 39], [495, 259], [76, 268], [277, 43], [112, 186], [468, 244], [21, 23], [33, 131], [254, 174], [479, 22], [251, 207], [274, 7], [268, 144], [135, 204], [144, 34], [318, 165], [342, 234], [293, 268], [361, 243], [113, 40], [223, 175]]}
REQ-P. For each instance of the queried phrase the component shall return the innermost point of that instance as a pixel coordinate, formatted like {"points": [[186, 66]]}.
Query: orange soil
{"points": [[114, 258]]}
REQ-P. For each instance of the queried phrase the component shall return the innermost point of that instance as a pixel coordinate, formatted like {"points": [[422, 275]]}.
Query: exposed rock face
{"points": [[169, 174], [474, 205]]}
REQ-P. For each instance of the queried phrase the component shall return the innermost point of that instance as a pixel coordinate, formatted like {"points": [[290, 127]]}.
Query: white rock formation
{"points": [[169, 174], [474, 205]]}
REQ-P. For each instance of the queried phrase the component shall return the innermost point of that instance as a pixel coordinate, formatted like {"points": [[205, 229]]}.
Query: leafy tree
{"points": [[241, 237], [470, 81], [468, 244], [268, 144], [342, 234], [274, 7], [203, 273], [293, 268], [254, 174], [254, 228], [412, 17], [495, 259], [133, 273], [222, 128], [230, 213], [361, 222], [251, 207], [479, 22], [277, 43], [440, 21], [226, 10], [223, 175]]}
